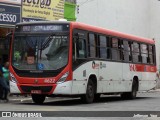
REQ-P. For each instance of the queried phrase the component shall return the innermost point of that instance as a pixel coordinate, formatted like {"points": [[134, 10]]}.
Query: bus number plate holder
{"points": [[36, 91]]}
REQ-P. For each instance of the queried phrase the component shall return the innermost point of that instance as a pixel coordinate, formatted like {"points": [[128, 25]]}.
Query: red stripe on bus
{"points": [[142, 68]]}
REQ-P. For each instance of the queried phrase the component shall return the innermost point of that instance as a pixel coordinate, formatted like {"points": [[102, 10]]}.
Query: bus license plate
{"points": [[36, 91]]}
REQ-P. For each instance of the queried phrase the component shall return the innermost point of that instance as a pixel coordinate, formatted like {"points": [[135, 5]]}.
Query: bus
{"points": [[62, 58]]}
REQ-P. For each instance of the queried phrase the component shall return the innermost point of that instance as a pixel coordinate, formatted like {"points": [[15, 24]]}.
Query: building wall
{"points": [[122, 15], [155, 26]]}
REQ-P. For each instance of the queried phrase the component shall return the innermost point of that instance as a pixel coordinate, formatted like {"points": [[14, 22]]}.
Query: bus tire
{"points": [[133, 93], [90, 92], [38, 99]]}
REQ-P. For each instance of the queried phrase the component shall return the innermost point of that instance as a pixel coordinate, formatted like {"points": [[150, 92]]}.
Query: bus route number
{"points": [[49, 80]]}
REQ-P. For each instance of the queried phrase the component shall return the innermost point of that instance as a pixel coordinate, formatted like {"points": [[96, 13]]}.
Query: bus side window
{"points": [[126, 51], [151, 54], [103, 45], [135, 52], [116, 52], [144, 53], [92, 46], [81, 48]]}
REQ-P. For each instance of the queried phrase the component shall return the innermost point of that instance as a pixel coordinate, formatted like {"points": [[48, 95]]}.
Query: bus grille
{"points": [[44, 89]]}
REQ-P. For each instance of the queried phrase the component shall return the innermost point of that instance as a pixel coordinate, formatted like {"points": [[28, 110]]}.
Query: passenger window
{"points": [[151, 54], [92, 45], [103, 51], [81, 48], [135, 52], [144, 53], [126, 51], [116, 51]]}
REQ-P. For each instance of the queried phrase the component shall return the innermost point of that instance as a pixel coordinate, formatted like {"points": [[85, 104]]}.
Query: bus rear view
{"points": [[39, 58]]}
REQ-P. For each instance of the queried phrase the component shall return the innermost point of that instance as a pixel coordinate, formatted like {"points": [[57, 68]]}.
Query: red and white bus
{"points": [[75, 59]]}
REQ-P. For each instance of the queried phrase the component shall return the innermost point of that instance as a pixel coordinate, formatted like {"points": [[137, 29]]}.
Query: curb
{"points": [[150, 91]]}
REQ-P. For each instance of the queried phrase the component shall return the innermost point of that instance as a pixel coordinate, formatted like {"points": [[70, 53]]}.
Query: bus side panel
{"points": [[110, 75], [128, 76], [63, 88], [146, 78], [81, 76], [148, 81]]}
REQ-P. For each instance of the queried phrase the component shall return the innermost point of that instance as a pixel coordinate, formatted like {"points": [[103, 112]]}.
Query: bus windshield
{"points": [[40, 52]]}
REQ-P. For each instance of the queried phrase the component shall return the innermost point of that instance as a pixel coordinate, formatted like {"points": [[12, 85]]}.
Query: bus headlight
{"points": [[63, 78], [12, 78]]}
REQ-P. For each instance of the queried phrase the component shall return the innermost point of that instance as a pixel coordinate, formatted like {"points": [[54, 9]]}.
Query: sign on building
{"points": [[18, 2], [10, 12], [9, 15], [33, 10]]}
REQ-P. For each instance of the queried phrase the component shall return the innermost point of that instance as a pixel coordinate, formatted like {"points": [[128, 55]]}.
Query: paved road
{"points": [[144, 102]]}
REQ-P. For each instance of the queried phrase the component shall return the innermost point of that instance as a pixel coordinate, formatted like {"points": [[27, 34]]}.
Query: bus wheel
{"points": [[38, 99], [133, 93], [89, 96]]}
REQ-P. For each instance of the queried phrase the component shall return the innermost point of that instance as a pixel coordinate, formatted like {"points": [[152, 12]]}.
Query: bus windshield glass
{"points": [[40, 51]]}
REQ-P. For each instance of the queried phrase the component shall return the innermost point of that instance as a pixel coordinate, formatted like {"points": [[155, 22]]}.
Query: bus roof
{"points": [[110, 32]]}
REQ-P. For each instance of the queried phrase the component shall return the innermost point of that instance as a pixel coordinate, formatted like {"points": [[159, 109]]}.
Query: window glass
{"points": [[150, 49], [135, 57], [144, 53], [135, 47], [144, 48], [151, 60], [81, 48], [103, 42], [114, 43], [115, 54], [40, 52], [92, 45], [126, 51], [144, 58], [151, 54], [135, 52], [126, 46]]}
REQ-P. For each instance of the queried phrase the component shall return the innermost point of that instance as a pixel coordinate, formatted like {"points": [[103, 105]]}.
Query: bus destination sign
{"points": [[42, 28]]}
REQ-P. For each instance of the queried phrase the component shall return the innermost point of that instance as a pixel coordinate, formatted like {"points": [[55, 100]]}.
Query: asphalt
{"points": [[22, 98]]}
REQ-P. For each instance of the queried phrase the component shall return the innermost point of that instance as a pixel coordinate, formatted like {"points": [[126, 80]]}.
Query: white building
{"points": [[137, 17]]}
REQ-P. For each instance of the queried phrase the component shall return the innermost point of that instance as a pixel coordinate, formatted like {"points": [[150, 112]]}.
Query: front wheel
{"points": [[38, 99], [89, 96]]}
